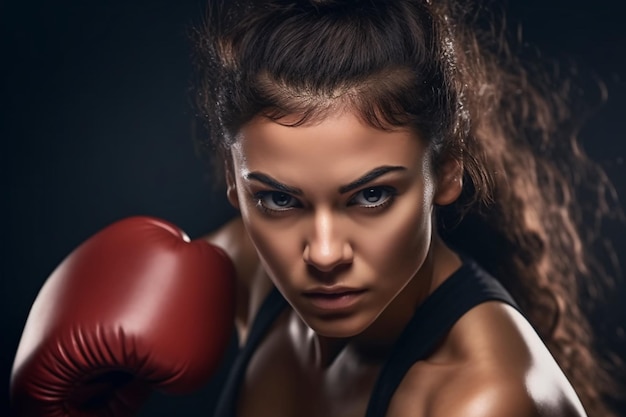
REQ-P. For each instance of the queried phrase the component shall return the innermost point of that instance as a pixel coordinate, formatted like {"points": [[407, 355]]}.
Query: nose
{"points": [[326, 247]]}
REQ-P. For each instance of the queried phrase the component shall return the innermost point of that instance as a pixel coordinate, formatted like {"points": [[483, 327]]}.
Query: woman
{"points": [[378, 153]]}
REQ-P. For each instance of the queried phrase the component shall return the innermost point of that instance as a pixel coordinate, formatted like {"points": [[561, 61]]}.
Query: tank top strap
{"points": [[464, 289], [271, 307]]}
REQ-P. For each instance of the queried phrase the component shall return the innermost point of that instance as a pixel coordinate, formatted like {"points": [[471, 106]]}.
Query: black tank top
{"points": [[464, 289]]}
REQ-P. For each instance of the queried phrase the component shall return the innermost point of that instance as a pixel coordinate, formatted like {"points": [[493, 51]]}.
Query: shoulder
{"points": [[496, 394], [252, 285], [233, 239], [487, 396], [491, 363], [464, 390]]}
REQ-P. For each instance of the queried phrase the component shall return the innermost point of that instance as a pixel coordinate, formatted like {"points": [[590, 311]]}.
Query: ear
{"points": [[231, 184], [449, 181]]}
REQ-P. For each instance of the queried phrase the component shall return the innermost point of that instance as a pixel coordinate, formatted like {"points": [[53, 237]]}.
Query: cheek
{"points": [[278, 250], [399, 245], [278, 247]]}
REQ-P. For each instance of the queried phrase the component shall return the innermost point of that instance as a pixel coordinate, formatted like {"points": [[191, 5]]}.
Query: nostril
{"points": [[324, 262], [328, 276]]}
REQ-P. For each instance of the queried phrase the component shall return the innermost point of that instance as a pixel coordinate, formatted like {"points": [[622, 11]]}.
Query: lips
{"points": [[334, 298]]}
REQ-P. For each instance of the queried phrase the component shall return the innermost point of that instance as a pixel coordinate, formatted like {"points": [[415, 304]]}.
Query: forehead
{"points": [[341, 142]]}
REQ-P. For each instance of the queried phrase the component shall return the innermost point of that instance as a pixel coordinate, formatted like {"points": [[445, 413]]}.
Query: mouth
{"points": [[334, 298]]}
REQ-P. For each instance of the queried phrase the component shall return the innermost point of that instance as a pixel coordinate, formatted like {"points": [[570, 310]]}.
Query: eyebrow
{"points": [[267, 180], [368, 177]]}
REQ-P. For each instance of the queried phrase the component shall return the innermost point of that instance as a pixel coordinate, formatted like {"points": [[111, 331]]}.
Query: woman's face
{"points": [[339, 212]]}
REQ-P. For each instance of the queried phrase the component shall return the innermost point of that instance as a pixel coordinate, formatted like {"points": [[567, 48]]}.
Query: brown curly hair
{"points": [[445, 70]]}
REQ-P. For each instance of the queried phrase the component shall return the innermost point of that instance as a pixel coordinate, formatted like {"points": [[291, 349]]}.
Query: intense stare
{"points": [[337, 203]]}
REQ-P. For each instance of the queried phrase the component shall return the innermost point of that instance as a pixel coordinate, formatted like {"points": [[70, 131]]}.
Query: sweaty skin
{"points": [[338, 216]]}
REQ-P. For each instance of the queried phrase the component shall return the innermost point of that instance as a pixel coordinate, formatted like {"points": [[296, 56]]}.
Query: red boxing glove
{"points": [[136, 307]]}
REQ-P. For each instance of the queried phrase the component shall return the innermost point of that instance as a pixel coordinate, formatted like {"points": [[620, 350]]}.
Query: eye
{"points": [[275, 201], [373, 197]]}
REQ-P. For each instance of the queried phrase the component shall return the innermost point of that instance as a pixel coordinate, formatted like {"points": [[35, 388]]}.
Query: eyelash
{"points": [[260, 196], [390, 197]]}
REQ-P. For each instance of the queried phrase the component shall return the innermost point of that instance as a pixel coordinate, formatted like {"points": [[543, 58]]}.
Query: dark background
{"points": [[96, 125]]}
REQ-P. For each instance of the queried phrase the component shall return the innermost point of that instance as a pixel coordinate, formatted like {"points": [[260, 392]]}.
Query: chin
{"points": [[338, 327]]}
